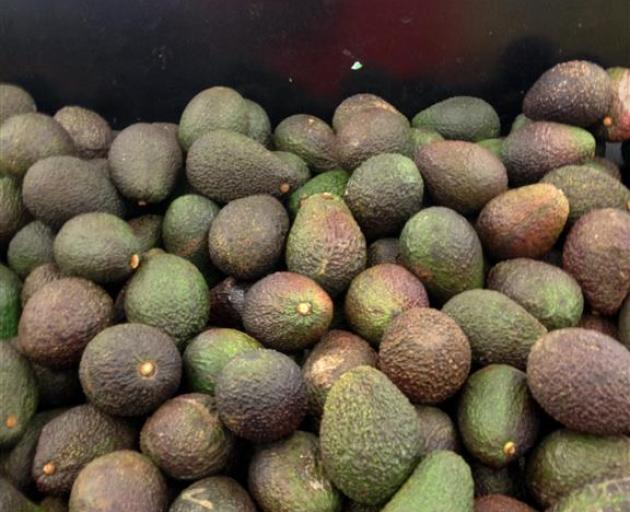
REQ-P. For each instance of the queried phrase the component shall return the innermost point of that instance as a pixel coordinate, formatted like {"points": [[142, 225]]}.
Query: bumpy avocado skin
{"points": [[438, 430], [624, 323], [148, 231], [10, 307], [14, 100], [13, 500], [383, 250], [30, 247], [619, 110], [224, 493], [358, 103], [598, 496], [13, 215], [333, 182], [258, 123], [90, 133]]}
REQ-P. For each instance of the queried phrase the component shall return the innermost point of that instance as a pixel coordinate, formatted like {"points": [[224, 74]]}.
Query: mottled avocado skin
{"points": [[383, 250], [224, 493], [438, 430], [90, 133], [13, 500], [333, 182], [10, 307], [31, 247], [614, 492], [624, 323], [13, 215], [358, 103]]}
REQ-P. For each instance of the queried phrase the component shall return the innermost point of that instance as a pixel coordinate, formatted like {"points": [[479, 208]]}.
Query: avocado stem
{"points": [[49, 469], [304, 308], [608, 121], [509, 449], [146, 369], [11, 421], [134, 261], [285, 187]]}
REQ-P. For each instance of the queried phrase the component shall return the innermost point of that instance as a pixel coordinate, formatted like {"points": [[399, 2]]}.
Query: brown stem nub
{"points": [[49, 469], [509, 448], [285, 187], [134, 261], [146, 369], [11, 421], [608, 121], [142, 202]]}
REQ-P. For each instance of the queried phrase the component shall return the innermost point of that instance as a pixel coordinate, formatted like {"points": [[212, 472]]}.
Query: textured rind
{"points": [[496, 408], [599, 323], [443, 250], [247, 236], [495, 146], [337, 352], [619, 109], [109, 369], [222, 493], [261, 395], [227, 300], [90, 133], [369, 436], [421, 137], [506, 480], [607, 496], [565, 461], [438, 432], [61, 318], [30, 247], [13, 215], [14, 100], [224, 166], [499, 330], [13, 500], [377, 295], [383, 250], [168, 292], [38, 278], [587, 189], [624, 323], [593, 393], [442, 482], [96, 246], [461, 175], [326, 244], [383, 192], [258, 123], [10, 307], [524, 222], [500, 503], [73, 439], [288, 476], [547, 292], [300, 167], [122, 481], [186, 439], [426, 354], [333, 182], [597, 253], [538, 147], [49, 198], [18, 394], [574, 92], [605, 165], [271, 311], [358, 103], [308, 137], [148, 231], [370, 132], [27, 138]]}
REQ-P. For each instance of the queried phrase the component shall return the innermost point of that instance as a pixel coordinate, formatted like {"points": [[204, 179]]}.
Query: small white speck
{"points": [[291, 79], [356, 66]]}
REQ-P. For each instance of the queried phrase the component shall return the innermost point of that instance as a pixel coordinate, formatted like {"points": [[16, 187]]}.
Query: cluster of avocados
{"points": [[368, 315]]}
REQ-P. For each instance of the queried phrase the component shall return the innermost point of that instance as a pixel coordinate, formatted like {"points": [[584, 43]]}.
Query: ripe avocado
{"points": [[227, 300], [38, 278], [14, 100], [461, 175], [593, 394], [148, 231], [366, 418], [438, 432], [615, 125], [383, 192], [440, 247], [352, 105], [13, 215], [247, 236], [10, 307], [61, 318], [441, 482], [288, 476], [460, 118], [596, 322], [261, 395], [500, 503], [421, 137], [30, 247], [287, 311], [326, 244], [333, 182], [299, 166], [497, 416], [222, 493], [384, 250], [71, 440], [90, 133], [599, 496], [258, 123]]}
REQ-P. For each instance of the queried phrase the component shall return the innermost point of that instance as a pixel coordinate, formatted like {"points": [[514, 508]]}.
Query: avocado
{"points": [[122, 481], [168, 292], [523, 222], [367, 419], [18, 395], [495, 146], [258, 123], [58, 388], [538, 147], [222, 493], [61, 318], [383, 193], [90, 133], [442, 474], [227, 300], [383, 250], [461, 175], [460, 118], [185, 438], [27, 138], [336, 353], [38, 278], [576, 92], [130, 369], [624, 323], [207, 354], [247, 236], [597, 254], [326, 244], [615, 126], [30, 247], [596, 322], [299, 166], [13, 500], [440, 247], [500, 503], [287, 311], [308, 137], [356, 103], [507, 480], [497, 416], [144, 163], [565, 461], [224, 166], [97, 246], [499, 329], [592, 397], [13, 215], [14, 100], [54, 504], [600, 497], [421, 137], [288, 476], [438, 432], [545, 291], [333, 182], [71, 440], [185, 230], [49, 197], [519, 121], [213, 109], [10, 306], [604, 164], [148, 231]]}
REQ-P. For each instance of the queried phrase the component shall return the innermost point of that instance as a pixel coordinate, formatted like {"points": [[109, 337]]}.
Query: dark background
{"points": [[144, 59]]}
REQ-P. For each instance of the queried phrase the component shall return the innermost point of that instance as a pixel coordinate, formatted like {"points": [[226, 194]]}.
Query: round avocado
{"points": [[90, 133]]}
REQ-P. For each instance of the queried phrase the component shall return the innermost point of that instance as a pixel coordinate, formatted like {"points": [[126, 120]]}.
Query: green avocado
{"points": [[10, 306]]}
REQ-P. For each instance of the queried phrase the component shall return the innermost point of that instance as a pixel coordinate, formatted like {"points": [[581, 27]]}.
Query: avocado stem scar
{"points": [[49, 469], [608, 121], [134, 261], [509, 449], [11, 421], [304, 308], [146, 369], [285, 187]]}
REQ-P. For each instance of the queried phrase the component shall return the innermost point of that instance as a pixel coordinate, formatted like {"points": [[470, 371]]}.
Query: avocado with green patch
{"points": [[299, 166], [495, 146], [421, 137], [334, 182], [30, 247], [10, 305], [13, 215]]}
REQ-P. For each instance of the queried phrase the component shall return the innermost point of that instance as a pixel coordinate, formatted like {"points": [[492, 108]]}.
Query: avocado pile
{"points": [[374, 314]]}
